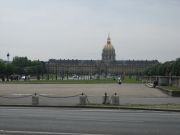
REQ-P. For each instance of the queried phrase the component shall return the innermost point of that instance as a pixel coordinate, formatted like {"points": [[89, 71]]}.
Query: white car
{"points": [[23, 77]]}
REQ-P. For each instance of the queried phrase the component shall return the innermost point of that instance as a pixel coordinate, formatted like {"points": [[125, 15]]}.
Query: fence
{"points": [[55, 100]]}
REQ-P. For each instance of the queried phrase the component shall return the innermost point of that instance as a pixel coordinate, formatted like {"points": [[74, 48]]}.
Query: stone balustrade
{"points": [[163, 80]]}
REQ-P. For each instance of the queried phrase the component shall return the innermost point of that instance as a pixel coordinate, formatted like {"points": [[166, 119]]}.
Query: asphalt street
{"points": [[61, 121]]}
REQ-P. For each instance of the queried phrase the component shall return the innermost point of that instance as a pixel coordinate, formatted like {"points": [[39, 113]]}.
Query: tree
{"points": [[165, 69], [9, 70], [176, 67], [20, 63], [2, 70], [27, 67]]}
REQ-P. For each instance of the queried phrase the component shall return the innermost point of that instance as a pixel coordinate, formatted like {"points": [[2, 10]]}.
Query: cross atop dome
{"points": [[108, 39]]}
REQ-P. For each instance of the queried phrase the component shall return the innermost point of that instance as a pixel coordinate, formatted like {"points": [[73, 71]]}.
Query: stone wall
{"points": [[163, 80]]}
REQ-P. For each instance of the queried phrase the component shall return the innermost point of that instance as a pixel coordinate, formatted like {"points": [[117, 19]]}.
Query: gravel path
{"points": [[128, 93], [124, 90]]}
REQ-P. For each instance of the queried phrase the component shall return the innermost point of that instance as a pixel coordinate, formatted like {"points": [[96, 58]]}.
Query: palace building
{"points": [[108, 65]]}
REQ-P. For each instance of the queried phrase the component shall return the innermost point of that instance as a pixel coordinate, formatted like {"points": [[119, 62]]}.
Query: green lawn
{"points": [[126, 80], [63, 81], [131, 80], [173, 88]]}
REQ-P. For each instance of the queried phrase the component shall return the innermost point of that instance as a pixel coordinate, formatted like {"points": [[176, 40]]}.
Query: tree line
{"points": [[21, 66], [169, 68]]}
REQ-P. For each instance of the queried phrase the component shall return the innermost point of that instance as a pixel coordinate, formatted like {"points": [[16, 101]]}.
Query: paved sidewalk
{"points": [[129, 93]]}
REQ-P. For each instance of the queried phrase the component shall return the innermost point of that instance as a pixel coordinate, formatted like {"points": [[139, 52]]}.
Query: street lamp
{"points": [[7, 68], [8, 57]]}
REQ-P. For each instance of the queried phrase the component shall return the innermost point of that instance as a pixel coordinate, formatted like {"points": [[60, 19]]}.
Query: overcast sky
{"points": [[78, 29]]}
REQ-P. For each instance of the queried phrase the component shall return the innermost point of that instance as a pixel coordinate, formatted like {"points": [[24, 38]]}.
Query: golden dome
{"points": [[108, 53], [108, 46]]}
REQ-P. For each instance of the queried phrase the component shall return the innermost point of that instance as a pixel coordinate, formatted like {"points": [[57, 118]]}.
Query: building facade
{"points": [[108, 65]]}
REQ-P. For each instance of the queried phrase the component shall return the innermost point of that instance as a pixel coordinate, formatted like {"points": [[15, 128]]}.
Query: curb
{"points": [[96, 107], [166, 91], [169, 92]]}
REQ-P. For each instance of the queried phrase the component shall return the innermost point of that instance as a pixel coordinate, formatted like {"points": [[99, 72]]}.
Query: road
{"points": [[69, 121]]}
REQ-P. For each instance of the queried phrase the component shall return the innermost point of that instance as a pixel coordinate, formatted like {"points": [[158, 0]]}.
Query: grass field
{"points": [[62, 82], [126, 80], [131, 80], [173, 88]]}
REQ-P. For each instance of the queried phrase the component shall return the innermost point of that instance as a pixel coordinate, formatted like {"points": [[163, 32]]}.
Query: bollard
{"points": [[83, 99], [105, 99], [115, 99], [35, 99]]}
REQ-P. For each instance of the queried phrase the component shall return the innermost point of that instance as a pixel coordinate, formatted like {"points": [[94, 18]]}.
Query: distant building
{"points": [[107, 66]]}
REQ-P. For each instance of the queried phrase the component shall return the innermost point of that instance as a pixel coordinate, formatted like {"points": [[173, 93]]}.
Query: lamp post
{"points": [[56, 68], [7, 68], [8, 55], [48, 71]]}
